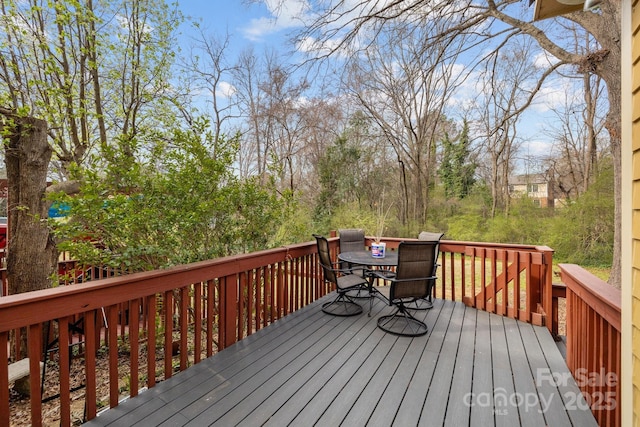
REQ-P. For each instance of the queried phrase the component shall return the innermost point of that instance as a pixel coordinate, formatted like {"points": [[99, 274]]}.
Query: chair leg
{"points": [[402, 323], [342, 306], [421, 304]]}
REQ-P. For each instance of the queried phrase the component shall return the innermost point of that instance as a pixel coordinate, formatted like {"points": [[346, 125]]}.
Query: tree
{"points": [[506, 83], [404, 86], [357, 24], [208, 64], [48, 67], [456, 169], [93, 72], [31, 253], [339, 178], [578, 147], [582, 232]]}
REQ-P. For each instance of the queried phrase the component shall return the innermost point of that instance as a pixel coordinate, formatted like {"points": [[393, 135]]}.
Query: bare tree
{"points": [[271, 98], [343, 23], [506, 83], [405, 85], [578, 144], [254, 148], [209, 65]]}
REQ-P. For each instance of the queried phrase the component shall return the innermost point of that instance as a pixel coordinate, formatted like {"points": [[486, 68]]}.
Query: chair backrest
{"points": [[325, 259], [351, 239], [415, 260], [432, 237]]}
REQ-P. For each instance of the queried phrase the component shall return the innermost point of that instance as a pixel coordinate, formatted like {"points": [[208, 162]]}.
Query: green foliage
{"points": [[296, 226], [524, 224], [582, 233], [178, 203], [456, 170], [338, 176]]}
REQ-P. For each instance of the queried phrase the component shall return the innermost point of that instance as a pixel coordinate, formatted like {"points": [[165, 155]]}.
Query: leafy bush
{"points": [[582, 232], [177, 203]]}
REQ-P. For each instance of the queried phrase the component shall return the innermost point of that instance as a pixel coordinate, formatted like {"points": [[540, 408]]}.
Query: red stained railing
{"points": [[593, 324], [188, 312], [511, 280]]}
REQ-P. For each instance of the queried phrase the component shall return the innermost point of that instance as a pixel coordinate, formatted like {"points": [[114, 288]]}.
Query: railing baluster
{"points": [[34, 338], [64, 371], [167, 304], [5, 415], [90, 363], [134, 345], [211, 284], [197, 327], [184, 326], [112, 331], [150, 303]]}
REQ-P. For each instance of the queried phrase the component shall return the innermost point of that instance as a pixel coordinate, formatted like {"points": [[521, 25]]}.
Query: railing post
{"points": [[547, 286]]}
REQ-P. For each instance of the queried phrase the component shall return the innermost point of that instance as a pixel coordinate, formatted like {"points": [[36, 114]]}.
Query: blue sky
{"points": [[254, 23], [265, 25]]}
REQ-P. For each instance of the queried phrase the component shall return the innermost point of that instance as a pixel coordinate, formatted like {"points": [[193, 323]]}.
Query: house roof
{"points": [[534, 178]]}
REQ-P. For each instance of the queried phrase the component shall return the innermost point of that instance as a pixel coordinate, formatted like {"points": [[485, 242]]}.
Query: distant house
{"points": [[537, 187]]}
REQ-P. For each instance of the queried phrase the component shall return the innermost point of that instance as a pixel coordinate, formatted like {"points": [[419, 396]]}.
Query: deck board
{"points": [[522, 378], [413, 406], [310, 368], [435, 404], [502, 378], [482, 410]]}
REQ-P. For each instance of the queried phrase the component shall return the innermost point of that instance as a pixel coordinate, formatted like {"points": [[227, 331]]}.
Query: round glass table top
{"points": [[365, 258]]}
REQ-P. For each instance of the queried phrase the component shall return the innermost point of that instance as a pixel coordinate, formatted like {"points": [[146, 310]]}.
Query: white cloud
{"points": [[314, 46], [226, 89], [282, 15]]}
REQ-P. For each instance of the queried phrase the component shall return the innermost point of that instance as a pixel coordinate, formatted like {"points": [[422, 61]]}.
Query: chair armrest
{"points": [[381, 274], [393, 279], [335, 267]]}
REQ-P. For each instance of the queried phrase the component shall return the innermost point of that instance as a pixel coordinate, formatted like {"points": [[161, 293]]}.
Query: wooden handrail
{"points": [[593, 324], [210, 305]]}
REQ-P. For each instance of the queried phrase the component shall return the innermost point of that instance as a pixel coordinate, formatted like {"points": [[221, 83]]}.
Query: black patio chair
{"points": [[352, 240], [427, 236], [412, 282], [344, 281]]}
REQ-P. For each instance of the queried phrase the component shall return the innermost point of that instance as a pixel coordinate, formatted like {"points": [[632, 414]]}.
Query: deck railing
{"points": [[593, 325], [188, 312]]}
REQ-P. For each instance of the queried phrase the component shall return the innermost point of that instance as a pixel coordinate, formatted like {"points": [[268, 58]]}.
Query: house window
{"points": [[532, 188]]}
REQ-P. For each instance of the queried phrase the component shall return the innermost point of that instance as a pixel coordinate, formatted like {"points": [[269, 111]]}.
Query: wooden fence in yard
{"points": [[189, 312]]}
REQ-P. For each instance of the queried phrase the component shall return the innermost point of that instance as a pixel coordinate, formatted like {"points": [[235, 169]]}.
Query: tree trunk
{"points": [[31, 252]]}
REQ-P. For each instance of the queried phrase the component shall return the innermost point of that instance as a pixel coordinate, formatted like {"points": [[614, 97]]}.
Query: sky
{"points": [[268, 24], [261, 23]]}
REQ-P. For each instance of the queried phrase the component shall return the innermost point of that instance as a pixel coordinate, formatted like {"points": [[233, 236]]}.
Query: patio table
{"points": [[365, 259], [368, 261]]}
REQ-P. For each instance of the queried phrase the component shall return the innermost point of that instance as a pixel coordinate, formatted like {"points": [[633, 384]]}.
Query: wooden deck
{"points": [[309, 368]]}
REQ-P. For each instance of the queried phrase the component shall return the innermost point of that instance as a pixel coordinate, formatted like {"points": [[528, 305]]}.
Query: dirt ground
{"points": [[20, 406]]}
